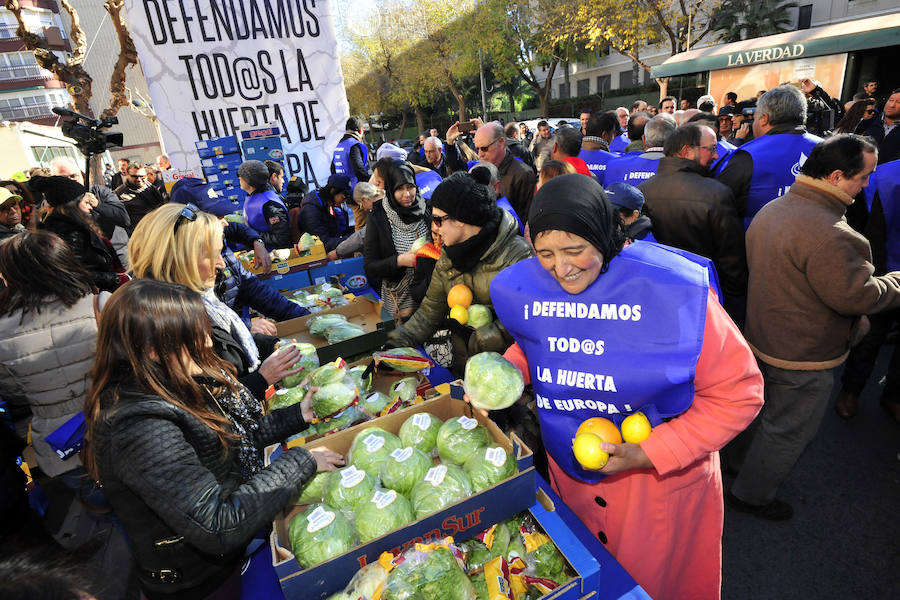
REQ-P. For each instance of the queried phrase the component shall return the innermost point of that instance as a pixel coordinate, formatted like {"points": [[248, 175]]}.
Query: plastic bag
{"points": [[406, 360], [319, 325], [343, 331]]}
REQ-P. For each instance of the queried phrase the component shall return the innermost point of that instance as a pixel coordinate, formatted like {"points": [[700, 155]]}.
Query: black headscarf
{"points": [[400, 173], [578, 205]]}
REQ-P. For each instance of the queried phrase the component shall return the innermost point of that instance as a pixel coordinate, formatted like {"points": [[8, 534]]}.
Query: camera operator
{"points": [[822, 111]]}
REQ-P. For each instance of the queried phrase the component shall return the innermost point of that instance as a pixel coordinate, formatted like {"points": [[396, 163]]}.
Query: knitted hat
{"points": [[341, 185], [58, 190], [464, 200], [255, 173], [391, 151]]}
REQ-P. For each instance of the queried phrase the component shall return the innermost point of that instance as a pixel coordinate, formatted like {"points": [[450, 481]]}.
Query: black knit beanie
{"points": [[464, 199], [57, 190]]}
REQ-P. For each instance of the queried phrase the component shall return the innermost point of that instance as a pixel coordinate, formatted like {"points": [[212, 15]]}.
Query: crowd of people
{"points": [[722, 261]]}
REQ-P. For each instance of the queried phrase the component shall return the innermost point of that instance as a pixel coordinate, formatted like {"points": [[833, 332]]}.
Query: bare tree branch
{"points": [[128, 58], [72, 73], [76, 34]]}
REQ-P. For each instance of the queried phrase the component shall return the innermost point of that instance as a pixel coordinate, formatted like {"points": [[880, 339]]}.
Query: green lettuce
{"points": [[442, 486], [371, 447], [385, 511], [347, 488], [319, 325], [404, 468], [421, 431], [548, 563], [459, 438], [356, 374], [374, 403], [435, 575], [318, 534], [308, 361], [286, 397], [479, 316], [492, 382], [312, 491], [489, 466], [343, 331], [405, 389], [327, 373], [332, 398]]}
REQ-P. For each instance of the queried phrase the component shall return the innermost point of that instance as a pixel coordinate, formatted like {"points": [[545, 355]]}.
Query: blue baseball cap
{"points": [[622, 195], [191, 190]]}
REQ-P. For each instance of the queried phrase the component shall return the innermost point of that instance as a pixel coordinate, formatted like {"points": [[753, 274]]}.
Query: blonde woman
{"points": [[180, 244]]}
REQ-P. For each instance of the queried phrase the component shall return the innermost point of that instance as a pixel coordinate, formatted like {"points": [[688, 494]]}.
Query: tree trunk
{"points": [[663, 83], [459, 98], [402, 123], [420, 119]]}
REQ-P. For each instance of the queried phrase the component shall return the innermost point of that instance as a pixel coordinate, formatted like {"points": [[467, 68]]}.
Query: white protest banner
{"points": [[216, 66]]}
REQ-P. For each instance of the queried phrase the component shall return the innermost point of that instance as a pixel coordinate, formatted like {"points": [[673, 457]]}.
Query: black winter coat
{"points": [[184, 503], [380, 255], [316, 219], [94, 253], [696, 213]]}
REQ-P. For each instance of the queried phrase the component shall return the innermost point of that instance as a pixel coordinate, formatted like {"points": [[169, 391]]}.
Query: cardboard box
{"points": [[217, 146], [461, 520], [295, 279], [349, 271], [366, 312], [295, 259]]}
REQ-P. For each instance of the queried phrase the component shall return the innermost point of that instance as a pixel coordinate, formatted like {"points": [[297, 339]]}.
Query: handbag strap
{"points": [[97, 308]]}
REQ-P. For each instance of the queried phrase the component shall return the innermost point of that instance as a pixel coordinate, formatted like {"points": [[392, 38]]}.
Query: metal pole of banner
{"points": [[481, 73]]}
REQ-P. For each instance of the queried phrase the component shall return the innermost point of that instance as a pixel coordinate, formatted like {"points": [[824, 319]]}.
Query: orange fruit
{"points": [[459, 294], [603, 428], [588, 451]]}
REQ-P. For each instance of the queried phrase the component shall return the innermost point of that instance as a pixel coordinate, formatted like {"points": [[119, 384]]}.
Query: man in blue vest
{"points": [[765, 167], [634, 169], [351, 157], [601, 128], [883, 232]]}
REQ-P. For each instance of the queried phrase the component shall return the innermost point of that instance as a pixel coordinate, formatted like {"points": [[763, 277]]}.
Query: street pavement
{"points": [[844, 538]]}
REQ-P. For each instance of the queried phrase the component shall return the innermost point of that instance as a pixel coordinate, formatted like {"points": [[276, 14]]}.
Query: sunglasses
{"points": [[440, 220], [486, 148], [870, 111], [188, 213]]}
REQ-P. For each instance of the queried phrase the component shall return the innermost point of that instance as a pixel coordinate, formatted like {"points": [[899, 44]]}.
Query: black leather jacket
{"points": [[188, 511]]}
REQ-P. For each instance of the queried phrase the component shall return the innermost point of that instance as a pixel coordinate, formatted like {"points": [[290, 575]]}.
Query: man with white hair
{"points": [[162, 161], [517, 181], [765, 167], [634, 169], [434, 156], [621, 140]]}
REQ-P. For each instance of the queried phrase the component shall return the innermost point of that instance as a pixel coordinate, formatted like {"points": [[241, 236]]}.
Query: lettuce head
{"points": [[308, 361], [319, 325], [371, 447], [458, 439], [347, 488], [488, 466], [442, 485], [492, 382], [331, 399], [404, 468], [319, 533], [286, 397], [312, 491], [421, 431], [384, 511]]}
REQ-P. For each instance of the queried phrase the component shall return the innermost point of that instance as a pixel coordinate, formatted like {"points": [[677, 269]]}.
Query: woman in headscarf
{"points": [[394, 224], [604, 330]]}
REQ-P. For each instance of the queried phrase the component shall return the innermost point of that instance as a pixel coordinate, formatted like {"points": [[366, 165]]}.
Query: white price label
{"points": [[383, 499], [495, 456], [421, 421], [281, 392], [467, 423], [402, 454], [373, 443], [351, 476], [318, 519], [435, 475]]}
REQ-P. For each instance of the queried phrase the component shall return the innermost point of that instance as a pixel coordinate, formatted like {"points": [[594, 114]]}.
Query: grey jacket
{"points": [[44, 363]]}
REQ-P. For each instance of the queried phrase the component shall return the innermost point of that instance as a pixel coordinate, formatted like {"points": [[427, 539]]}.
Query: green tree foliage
{"points": [[735, 20]]}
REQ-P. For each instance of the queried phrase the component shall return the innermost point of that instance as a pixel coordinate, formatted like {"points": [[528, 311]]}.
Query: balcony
{"points": [[23, 72], [30, 112]]}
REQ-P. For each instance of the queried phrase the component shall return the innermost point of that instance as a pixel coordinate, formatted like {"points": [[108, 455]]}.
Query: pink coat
{"points": [[664, 525]]}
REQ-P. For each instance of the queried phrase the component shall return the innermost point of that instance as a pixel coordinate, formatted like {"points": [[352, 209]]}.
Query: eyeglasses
{"points": [[870, 111], [711, 148], [138, 176], [440, 220], [486, 148], [188, 213]]}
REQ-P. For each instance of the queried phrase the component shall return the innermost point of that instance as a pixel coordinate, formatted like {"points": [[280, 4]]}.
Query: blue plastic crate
{"points": [[217, 146]]}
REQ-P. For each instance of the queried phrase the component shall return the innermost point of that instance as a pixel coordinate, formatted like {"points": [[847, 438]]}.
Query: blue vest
{"points": [[629, 342], [630, 169], [886, 182], [503, 203], [776, 162], [619, 143], [341, 159], [427, 181], [253, 209], [596, 161]]}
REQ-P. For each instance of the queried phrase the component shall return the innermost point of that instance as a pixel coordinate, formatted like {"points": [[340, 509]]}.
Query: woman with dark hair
{"points": [[264, 210], [859, 110], [47, 323], [69, 217], [324, 215], [394, 224], [606, 330], [177, 444]]}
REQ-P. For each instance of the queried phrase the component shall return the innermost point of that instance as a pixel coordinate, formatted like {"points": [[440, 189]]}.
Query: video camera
{"points": [[87, 131]]}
